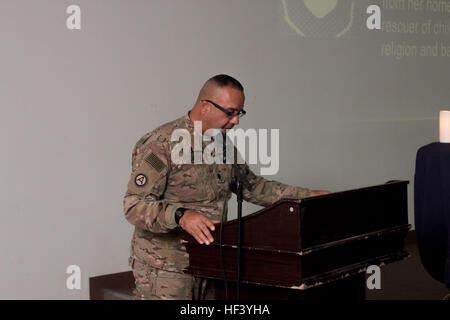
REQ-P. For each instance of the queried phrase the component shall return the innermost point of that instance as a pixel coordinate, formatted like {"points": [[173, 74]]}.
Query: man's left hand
{"points": [[314, 193]]}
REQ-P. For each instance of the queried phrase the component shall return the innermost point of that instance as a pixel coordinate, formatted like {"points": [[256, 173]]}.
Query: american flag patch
{"points": [[155, 162]]}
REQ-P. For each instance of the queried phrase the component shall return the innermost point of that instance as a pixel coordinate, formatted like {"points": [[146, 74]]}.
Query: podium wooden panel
{"points": [[313, 247]]}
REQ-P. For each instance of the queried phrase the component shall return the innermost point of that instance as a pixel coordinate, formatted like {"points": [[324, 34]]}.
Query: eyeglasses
{"points": [[231, 113]]}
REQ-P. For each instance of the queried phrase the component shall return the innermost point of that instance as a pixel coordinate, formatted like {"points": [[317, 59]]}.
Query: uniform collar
{"points": [[188, 122]]}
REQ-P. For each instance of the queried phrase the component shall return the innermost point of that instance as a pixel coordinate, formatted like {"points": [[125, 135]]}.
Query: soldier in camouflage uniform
{"points": [[158, 188]]}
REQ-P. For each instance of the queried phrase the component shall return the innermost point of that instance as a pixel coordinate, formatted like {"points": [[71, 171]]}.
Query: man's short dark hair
{"points": [[223, 80]]}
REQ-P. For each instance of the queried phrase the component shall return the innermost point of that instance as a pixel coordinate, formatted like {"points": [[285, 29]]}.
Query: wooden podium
{"points": [[313, 248]]}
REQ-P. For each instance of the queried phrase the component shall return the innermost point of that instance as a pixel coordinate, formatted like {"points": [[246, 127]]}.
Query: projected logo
{"points": [[319, 18]]}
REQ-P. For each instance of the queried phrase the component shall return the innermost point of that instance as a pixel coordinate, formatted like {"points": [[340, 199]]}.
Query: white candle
{"points": [[444, 126]]}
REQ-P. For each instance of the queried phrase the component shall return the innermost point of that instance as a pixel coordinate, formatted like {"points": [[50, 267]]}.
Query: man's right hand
{"points": [[198, 226]]}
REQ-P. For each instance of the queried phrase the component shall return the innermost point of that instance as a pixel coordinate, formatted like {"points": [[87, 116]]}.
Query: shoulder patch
{"points": [[140, 180], [155, 162]]}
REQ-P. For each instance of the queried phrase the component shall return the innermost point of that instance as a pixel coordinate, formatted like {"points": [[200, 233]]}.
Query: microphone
{"points": [[243, 172], [239, 175]]}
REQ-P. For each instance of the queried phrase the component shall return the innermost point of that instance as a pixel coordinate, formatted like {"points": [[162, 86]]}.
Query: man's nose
{"points": [[235, 120]]}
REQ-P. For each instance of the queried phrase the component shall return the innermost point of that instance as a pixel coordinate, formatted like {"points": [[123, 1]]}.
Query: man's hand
{"points": [[314, 193], [196, 224]]}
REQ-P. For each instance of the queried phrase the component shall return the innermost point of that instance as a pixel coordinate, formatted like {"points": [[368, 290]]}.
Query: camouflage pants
{"points": [[156, 284]]}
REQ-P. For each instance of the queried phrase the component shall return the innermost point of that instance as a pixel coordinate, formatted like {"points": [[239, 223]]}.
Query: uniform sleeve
{"points": [[143, 203], [265, 192]]}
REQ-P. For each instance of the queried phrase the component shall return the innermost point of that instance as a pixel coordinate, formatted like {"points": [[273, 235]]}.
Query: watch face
{"points": [[178, 214]]}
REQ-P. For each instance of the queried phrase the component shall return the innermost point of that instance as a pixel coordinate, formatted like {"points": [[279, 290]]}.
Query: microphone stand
{"points": [[238, 182]]}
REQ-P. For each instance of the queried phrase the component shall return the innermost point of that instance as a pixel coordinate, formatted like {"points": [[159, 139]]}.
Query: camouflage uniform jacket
{"points": [[157, 187]]}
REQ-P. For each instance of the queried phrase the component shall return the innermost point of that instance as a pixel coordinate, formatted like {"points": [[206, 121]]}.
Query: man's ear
{"points": [[205, 108]]}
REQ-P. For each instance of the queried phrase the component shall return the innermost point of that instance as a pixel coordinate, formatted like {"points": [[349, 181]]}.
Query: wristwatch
{"points": [[178, 214]]}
